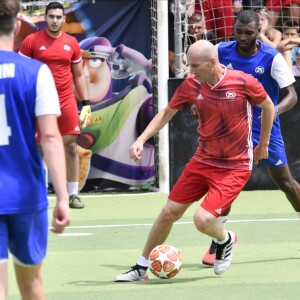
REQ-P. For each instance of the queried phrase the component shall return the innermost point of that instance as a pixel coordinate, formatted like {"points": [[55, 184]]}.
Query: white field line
{"points": [[75, 234], [177, 223], [129, 194]]}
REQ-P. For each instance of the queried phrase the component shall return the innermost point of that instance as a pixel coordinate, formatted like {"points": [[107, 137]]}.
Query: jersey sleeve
{"points": [[254, 90], [183, 95], [281, 72], [47, 102], [77, 57]]}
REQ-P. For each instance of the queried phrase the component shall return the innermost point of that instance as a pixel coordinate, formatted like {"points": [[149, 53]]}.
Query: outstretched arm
{"points": [[157, 123], [288, 44]]}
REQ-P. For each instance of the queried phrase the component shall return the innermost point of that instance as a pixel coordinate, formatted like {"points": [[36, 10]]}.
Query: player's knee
{"points": [[170, 215], [202, 224]]}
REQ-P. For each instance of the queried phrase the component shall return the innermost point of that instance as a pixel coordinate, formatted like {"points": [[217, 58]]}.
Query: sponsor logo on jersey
{"points": [[200, 97], [229, 66], [43, 48], [77, 128], [259, 70], [230, 95], [67, 47]]}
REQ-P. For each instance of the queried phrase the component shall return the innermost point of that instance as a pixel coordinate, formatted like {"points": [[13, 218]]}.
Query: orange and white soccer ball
{"points": [[165, 261]]}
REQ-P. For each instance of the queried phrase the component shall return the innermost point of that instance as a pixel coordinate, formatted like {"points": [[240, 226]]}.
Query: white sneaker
{"points": [[136, 273], [224, 254]]}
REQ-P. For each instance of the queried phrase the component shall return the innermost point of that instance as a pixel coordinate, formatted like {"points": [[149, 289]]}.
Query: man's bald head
{"points": [[202, 58], [202, 49]]}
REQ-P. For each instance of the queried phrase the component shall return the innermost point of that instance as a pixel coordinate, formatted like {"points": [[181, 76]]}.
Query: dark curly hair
{"points": [[248, 16], [54, 5]]}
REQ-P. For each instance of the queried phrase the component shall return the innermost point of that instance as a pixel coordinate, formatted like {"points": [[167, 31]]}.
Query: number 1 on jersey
{"points": [[5, 131]]}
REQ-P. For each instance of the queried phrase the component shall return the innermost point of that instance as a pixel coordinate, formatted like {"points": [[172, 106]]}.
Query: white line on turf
{"points": [[109, 195], [177, 223], [75, 234]]}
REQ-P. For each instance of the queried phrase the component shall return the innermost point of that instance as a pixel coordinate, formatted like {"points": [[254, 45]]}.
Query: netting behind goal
{"points": [[219, 18]]}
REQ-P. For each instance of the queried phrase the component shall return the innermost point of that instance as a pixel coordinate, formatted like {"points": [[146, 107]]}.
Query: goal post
{"points": [[162, 93]]}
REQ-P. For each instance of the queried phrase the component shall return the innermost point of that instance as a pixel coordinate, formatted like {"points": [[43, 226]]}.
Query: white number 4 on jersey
{"points": [[5, 131]]}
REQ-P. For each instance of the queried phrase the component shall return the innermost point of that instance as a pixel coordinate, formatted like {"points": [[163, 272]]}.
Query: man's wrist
{"points": [[85, 102]]}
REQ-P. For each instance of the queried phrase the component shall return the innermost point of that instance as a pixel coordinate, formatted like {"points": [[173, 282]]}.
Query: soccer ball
{"points": [[165, 261]]}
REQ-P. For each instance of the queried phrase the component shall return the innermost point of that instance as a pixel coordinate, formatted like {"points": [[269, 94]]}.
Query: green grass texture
{"points": [[106, 238]]}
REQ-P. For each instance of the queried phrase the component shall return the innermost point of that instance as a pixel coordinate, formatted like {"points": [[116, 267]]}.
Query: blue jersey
{"points": [[22, 180], [258, 65], [271, 70]]}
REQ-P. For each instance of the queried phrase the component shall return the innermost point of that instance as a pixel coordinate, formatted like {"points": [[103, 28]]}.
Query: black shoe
{"points": [[75, 202]]}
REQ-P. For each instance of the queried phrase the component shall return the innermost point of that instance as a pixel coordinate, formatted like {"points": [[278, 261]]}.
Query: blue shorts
{"points": [[277, 156], [25, 236]]}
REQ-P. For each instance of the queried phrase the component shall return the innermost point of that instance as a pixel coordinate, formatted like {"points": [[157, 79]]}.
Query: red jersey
{"points": [[225, 117], [59, 54]]}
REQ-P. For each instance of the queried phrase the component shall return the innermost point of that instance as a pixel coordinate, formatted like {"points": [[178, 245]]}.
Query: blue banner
{"points": [[115, 39]]}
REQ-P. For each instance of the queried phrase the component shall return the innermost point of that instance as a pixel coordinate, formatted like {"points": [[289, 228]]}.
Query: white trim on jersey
{"points": [[281, 72], [250, 143], [47, 102], [77, 61], [24, 55]]}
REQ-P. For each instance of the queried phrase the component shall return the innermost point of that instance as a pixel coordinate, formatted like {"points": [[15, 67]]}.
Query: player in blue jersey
{"points": [[270, 68], [27, 96]]}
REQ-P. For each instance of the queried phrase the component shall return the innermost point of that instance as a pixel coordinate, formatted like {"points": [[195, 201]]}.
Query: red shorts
{"points": [[222, 186], [218, 16], [68, 121], [278, 5]]}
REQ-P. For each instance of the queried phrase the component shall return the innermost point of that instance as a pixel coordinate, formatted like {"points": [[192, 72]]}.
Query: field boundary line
{"points": [[177, 223]]}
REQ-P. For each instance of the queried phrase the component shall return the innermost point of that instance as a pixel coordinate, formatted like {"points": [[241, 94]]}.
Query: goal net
{"points": [[218, 18]]}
